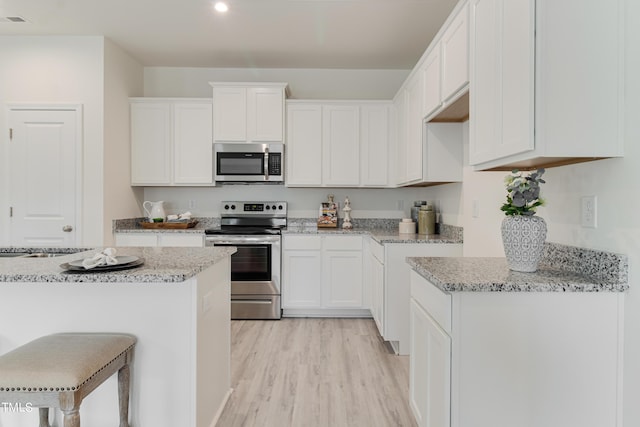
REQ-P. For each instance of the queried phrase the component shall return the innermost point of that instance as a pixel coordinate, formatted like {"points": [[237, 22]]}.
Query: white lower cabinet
{"points": [[430, 370], [323, 276], [504, 359], [390, 288], [159, 239]]}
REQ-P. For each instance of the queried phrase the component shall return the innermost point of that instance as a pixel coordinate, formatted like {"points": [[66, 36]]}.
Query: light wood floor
{"points": [[315, 372]]}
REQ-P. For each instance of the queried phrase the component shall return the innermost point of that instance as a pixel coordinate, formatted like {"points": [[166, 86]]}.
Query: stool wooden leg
{"points": [[123, 395], [44, 417], [71, 417]]}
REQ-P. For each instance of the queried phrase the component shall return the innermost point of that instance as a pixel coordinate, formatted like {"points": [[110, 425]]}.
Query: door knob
{"points": [[67, 228]]}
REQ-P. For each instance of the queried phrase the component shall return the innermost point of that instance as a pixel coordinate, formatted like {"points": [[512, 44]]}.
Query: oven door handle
{"points": [[252, 301], [239, 242]]}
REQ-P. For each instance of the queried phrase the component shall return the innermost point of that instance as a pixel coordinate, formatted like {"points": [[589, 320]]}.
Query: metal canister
{"points": [[427, 220], [416, 208]]}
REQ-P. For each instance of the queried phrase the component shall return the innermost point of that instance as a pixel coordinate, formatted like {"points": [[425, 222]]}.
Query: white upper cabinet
{"points": [[434, 91], [546, 82], [432, 77], [414, 118], [375, 142], [341, 145], [338, 143], [455, 56], [248, 112], [304, 145], [171, 141]]}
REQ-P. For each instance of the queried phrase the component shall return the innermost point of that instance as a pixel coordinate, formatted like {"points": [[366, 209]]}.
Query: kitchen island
{"points": [[176, 304], [491, 347]]}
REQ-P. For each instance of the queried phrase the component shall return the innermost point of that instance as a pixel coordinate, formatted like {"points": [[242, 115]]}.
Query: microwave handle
{"points": [[266, 163]]}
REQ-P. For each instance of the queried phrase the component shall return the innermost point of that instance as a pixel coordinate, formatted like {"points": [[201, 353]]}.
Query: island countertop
{"points": [[161, 265], [493, 275]]}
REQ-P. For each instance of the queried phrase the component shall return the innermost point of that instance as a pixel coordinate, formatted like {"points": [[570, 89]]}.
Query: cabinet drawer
{"points": [[343, 243], [377, 250], [432, 300], [306, 243]]}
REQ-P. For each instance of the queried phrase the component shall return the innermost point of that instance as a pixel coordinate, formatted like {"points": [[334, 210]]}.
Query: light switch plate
{"points": [[589, 212]]}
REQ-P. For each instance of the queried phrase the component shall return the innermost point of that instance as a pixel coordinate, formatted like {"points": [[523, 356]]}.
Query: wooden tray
{"points": [[169, 225]]}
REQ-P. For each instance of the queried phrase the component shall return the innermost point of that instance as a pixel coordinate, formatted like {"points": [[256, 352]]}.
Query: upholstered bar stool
{"points": [[58, 371]]}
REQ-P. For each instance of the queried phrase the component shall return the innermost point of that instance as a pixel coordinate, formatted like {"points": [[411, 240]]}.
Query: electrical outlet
{"points": [[400, 205], [475, 208], [589, 212], [192, 204]]}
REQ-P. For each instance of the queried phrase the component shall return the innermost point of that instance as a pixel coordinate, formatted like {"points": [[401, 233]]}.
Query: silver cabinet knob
{"points": [[67, 228]]}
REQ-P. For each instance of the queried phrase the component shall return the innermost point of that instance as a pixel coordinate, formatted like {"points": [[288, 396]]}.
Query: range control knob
{"points": [[226, 207], [274, 207], [233, 207], [268, 207], [279, 207]]}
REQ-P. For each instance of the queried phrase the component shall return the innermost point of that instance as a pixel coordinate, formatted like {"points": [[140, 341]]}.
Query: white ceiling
{"points": [[348, 34]]}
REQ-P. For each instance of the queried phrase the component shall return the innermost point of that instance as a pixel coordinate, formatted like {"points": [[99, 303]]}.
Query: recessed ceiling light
{"points": [[221, 6]]}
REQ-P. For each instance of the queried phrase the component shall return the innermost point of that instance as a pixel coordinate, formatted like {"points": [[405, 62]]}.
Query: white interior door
{"points": [[43, 148]]}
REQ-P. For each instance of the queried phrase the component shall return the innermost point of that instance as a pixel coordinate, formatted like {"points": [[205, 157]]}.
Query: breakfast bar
{"points": [[176, 304], [496, 347]]}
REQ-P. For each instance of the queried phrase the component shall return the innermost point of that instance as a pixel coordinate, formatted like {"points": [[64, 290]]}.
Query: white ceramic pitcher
{"points": [[154, 210]]}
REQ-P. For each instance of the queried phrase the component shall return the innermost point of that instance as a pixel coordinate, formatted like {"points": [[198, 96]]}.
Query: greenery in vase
{"points": [[523, 193]]}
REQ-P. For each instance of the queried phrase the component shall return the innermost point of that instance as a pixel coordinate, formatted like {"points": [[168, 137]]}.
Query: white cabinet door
{"points": [[401, 139], [377, 293], [229, 114], [192, 139], [342, 276], [265, 108], [301, 279], [430, 370], [431, 76], [341, 145], [248, 112], [455, 55], [171, 141], [304, 145], [414, 123], [526, 98], [374, 145], [151, 124], [342, 283]]}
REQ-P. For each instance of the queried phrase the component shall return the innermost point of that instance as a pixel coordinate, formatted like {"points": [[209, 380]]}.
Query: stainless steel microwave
{"points": [[248, 163]]}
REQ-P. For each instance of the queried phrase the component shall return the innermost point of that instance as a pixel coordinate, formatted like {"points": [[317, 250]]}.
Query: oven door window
{"points": [[240, 164], [251, 263]]}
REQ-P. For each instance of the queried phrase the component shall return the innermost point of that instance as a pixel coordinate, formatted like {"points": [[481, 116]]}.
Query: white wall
{"points": [[63, 70], [97, 74], [304, 202], [303, 83], [123, 78]]}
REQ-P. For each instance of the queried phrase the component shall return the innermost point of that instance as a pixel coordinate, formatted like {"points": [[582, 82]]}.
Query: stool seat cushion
{"points": [[60, 362]]}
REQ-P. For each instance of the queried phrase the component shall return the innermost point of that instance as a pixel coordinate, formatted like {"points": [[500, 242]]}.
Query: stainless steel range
{"points": [[254, 228]]}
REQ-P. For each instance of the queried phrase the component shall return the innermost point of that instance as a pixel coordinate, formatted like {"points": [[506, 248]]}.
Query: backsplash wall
{"points": [[304, 202]]}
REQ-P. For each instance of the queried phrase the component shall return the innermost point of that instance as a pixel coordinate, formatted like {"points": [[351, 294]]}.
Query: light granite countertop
{"points": [[161, 265], [387, 233], [493, 275]]}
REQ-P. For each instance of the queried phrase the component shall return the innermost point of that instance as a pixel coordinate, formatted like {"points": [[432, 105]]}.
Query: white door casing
{"points": [[44, 182]]}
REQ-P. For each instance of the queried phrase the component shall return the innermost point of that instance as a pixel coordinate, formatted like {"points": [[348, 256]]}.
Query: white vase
{"points": [[523, 238]]}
